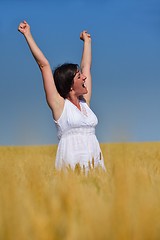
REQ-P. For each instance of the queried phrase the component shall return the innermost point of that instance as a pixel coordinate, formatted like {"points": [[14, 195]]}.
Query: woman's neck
{"points": [[75, 101]]}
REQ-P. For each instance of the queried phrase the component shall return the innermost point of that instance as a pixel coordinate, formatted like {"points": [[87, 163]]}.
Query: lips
{"points": [[83, 85]]}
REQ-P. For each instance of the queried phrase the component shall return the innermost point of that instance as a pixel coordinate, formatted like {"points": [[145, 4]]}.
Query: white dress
{"points": [[77, 140]]}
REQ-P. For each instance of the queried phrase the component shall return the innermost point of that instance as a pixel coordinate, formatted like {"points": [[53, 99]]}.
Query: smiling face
{"points": [[79, 86]]}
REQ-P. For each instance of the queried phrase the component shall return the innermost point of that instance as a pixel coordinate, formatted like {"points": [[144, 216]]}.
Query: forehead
{"points": [[78, 71]]}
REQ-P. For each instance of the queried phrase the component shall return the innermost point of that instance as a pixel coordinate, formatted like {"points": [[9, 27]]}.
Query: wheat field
{"points": [[39, 203]]}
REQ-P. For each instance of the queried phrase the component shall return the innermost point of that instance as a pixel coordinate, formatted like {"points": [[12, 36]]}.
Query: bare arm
{"points": [[54, 100], [86, 63]]}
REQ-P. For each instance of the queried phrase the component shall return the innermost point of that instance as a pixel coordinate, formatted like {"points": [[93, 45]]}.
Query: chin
{"points": [[86, 91]]}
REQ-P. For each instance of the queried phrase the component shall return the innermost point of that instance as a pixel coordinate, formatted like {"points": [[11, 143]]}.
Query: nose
{"points": [[84, 77]]}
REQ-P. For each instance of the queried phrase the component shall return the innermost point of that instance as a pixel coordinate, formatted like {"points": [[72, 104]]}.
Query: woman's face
{"points": [[79, 84]]}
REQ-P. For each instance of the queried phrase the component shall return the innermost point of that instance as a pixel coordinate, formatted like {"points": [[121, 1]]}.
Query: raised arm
{"points": [[86, 63], [54, 100]]}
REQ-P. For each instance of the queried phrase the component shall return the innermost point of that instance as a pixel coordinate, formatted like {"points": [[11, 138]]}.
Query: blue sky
{"points": [[125, 67]]}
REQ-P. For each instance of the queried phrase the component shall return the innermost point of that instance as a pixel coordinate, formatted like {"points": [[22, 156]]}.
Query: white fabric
{"points": [[77, 139]]}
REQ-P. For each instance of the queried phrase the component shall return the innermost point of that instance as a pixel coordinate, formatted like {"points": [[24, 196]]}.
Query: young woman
{"points": [[68, 93]]}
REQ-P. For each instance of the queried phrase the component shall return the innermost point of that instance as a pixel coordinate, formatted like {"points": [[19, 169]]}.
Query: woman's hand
{"points": [[85, 36], [24, 28]]}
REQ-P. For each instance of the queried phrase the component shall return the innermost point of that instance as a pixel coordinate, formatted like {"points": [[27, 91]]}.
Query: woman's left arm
{"points": [[86, 63]]}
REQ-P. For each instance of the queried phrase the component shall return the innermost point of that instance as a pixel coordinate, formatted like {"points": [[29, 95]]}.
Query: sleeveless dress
{"points": [[78, 143]]}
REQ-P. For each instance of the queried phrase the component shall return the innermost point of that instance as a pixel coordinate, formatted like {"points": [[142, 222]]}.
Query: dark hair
{"points": [[63, 78]]}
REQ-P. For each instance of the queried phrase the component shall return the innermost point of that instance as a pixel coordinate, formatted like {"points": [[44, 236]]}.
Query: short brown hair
{"points": [[63, 78]]}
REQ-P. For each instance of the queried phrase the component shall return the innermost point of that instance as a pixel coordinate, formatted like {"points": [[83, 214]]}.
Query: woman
{"points": [[68, 93]]}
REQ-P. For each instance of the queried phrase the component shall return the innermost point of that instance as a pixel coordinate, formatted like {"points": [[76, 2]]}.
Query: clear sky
{"points": [[125, 68]]}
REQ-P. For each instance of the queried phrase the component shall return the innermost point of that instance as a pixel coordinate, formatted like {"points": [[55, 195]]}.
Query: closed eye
{"points": [[78, 75]]}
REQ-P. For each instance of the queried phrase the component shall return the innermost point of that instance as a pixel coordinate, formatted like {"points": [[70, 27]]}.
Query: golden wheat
{"points": [[39, 203]]}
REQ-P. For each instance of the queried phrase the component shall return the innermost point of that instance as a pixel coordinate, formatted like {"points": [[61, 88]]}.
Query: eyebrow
{"points": [[78, 73]]}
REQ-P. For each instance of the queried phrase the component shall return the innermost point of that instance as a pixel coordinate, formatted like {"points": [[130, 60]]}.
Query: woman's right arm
{"points": [[54, 100]]}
